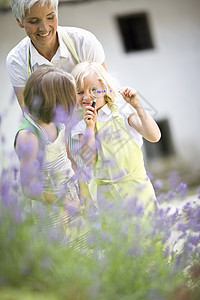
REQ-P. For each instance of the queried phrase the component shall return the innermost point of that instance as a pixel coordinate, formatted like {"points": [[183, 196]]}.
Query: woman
{"points": [[47, 43]]}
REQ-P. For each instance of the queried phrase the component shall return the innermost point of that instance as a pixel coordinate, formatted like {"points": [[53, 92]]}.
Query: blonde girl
{"points": [[111, 137]]}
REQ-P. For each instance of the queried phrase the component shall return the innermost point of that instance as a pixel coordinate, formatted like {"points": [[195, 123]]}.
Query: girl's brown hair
{"points": [[49, 88]]}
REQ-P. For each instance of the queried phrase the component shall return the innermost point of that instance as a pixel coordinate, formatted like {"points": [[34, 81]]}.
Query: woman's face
{"points": [[85, 96], [40, 23]]}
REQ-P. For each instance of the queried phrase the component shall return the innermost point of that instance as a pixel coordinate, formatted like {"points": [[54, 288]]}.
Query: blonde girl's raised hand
{"points": [[140, 121], [130, 96], [88, 141], [90, 116]]}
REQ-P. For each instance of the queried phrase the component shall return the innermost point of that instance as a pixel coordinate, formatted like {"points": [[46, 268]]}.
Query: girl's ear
{"points": [[19, 23]]}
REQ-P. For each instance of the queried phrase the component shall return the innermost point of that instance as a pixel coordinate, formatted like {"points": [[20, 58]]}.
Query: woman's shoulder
{"points": [[86, 44], [78, 35], [19, 50], [74, 31]]}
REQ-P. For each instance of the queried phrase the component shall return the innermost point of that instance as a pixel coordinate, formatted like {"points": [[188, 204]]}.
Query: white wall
{"points": [[167, 75]]}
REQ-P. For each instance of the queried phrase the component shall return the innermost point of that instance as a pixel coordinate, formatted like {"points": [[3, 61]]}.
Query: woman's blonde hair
{"points": [[86, 68], [48, 89]]}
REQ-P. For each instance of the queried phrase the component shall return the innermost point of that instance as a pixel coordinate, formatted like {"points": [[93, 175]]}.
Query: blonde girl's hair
{"points": [[86, 68], [19, 7], [48, 89]]}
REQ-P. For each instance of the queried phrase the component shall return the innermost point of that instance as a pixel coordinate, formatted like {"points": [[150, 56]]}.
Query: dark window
{"points": [[164, 147], [135, 32]]}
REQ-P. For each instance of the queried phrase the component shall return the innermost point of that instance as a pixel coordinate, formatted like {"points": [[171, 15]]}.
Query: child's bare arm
{"points": [[142, 121], [30, 167], [84, 191]]}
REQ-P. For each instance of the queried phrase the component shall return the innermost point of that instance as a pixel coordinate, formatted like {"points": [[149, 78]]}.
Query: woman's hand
{"points": [[130, 96]]}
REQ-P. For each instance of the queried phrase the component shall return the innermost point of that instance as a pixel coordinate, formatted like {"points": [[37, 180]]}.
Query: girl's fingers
{"points": [[128, 92], [89, 112], [89, 116], [89, 108]]}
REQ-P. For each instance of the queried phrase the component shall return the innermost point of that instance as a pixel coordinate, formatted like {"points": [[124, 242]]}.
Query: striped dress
{"points": [[61, 218]]}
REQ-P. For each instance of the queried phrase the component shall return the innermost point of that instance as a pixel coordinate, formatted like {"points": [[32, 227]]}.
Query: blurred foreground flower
{"points": [[128, 255]]}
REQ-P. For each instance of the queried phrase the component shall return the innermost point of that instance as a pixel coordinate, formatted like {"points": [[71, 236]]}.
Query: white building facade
{"points": [[167, 75]]}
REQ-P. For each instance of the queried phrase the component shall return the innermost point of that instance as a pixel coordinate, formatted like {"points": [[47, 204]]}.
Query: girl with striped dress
{"points": [[47, 176]]}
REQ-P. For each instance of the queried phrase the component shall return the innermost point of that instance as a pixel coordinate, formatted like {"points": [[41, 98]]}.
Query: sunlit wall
{"points": [[166, 75]]}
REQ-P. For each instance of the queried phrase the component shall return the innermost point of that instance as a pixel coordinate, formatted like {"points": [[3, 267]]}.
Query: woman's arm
{"points": [[19, 94], [142, 121]]}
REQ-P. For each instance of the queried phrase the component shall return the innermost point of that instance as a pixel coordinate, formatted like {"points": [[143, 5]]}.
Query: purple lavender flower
{"points": [[170, 195], [174, 179], [15, 171], [167, 251], [188, 250], [181, 189], [193, 217], [161, 198], [198, 192], [182, 227], [106, 237], [99, 91], [150, 175], [17, 212], [194, 239], [158, 184], [60, 115], [135, 250], [123, 230], [6, 195], [133, 208], [46, 262], [72, 210]]}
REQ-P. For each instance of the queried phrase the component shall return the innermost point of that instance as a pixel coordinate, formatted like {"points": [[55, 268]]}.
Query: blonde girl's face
{"points": [[85, 95]]}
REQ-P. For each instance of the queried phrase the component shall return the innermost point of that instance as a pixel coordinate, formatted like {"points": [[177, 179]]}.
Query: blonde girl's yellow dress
{"points": [[119, 173]]}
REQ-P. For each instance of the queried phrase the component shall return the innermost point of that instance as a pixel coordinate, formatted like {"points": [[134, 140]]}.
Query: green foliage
{"points": [[125, 259]]}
